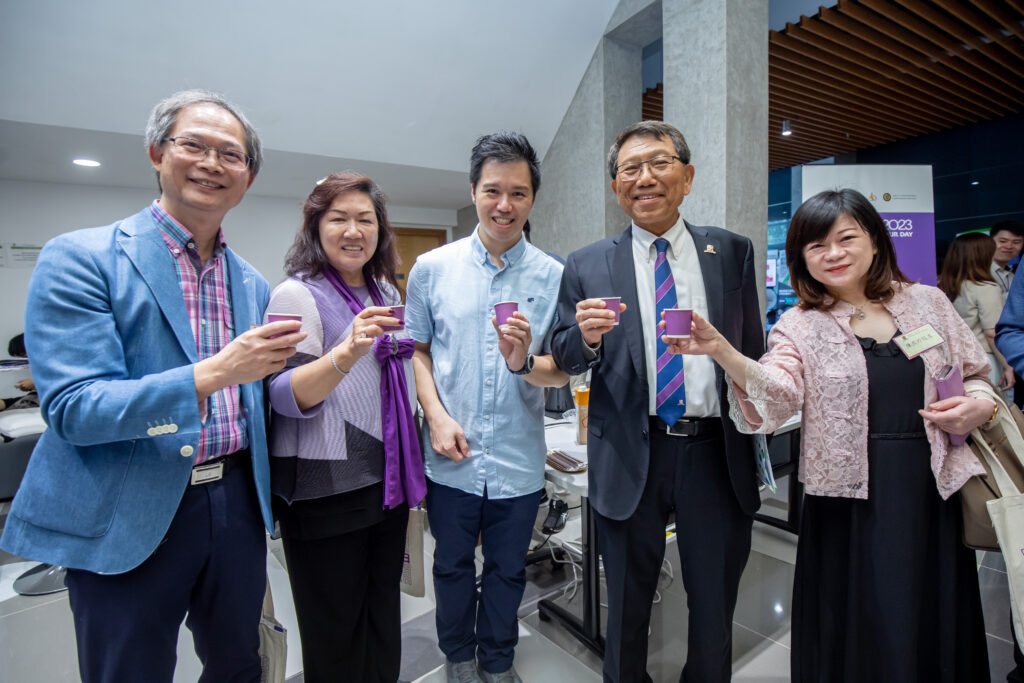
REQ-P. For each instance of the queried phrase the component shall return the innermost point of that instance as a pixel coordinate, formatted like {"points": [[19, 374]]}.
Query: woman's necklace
{"points": [[858, 311]]}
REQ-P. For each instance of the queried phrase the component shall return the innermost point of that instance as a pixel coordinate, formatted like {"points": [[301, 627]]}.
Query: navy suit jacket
{"points": [[618, 442], [112, 351]]}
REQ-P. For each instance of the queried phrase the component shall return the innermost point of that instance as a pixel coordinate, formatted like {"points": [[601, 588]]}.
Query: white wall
{"points": [[260, 229]]}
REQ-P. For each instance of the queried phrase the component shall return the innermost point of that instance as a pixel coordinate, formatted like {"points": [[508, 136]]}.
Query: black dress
{"points": [[884, 588]]}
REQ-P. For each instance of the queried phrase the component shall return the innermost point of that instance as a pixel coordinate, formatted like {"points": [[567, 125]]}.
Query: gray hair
{"points": [[648, 129], [165, 114]]}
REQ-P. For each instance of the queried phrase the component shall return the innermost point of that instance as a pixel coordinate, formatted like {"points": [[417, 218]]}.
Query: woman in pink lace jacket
{"points": [[883, 589]]}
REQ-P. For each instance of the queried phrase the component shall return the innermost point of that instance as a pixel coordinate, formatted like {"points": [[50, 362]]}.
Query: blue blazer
{"points": [[112, 351]]}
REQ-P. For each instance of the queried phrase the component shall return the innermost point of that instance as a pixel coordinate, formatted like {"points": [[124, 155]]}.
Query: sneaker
{"points": [[509, 676], [462, 672], [558, 512]]}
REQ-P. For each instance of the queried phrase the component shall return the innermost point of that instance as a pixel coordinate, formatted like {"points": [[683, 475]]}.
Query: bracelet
{"points": [[995, 410], [335, 364]]}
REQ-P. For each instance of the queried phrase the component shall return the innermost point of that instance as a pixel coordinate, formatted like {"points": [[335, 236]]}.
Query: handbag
{"points": [[1007, 513], [273, 642], [1001, 441], [412, 565]]}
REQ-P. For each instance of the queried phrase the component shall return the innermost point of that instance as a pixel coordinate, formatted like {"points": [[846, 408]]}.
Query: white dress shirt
{"points": [[699, 371]]}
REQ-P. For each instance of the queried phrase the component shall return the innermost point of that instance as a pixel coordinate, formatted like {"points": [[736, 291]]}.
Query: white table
{"points": [[562, 435]]}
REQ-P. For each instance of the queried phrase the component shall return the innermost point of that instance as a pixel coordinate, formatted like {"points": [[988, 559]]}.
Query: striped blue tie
{"points": [[671, 401]]}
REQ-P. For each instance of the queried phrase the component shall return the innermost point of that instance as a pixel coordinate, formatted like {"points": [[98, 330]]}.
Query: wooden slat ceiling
{"points": [[868, 72]]}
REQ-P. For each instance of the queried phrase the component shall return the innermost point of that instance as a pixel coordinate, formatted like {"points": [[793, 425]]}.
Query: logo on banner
{"points": [[887, 196]]}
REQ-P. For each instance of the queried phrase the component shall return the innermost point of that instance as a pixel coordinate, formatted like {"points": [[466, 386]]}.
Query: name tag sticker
{"points": [[913, 344]]}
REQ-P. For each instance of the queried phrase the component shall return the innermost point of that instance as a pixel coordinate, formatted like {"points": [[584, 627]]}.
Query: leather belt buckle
{"points": [[204, 474], [682, 427]]}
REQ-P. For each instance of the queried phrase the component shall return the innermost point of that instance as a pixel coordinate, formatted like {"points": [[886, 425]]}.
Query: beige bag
{"points": [[1007, 513], [412, 565], [1003, 439], [273, 642]]}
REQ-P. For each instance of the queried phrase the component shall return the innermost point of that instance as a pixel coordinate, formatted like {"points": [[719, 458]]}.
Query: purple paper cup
{"points": [[503, 310], [678, 322], [278, 317], [612, 304], [396, 312]]}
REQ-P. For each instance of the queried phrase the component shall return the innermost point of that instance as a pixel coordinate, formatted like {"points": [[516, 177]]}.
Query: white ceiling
{"points": [[398, 89]]}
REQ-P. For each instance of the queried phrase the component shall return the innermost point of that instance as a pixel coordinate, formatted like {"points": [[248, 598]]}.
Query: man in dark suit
{"points": [[660, 439]]}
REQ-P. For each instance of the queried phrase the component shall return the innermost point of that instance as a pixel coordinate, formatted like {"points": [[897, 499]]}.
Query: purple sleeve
{"points": [[282, 400]]}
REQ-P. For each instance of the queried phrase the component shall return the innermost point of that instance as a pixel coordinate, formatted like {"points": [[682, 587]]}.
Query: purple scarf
{"points": [[403, 460]]}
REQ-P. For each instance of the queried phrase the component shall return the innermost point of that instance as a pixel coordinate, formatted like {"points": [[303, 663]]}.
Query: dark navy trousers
{"points": [[468, 625], [210, 565]]}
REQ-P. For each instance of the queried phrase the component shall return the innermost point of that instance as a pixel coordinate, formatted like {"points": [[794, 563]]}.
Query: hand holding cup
{"points": [[514, 338], [703, 339], [595, 318], [371, 323]]}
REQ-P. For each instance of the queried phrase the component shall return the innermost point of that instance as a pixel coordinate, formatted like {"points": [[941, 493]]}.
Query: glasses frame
{"points": [[619, 173], [206, 150]]}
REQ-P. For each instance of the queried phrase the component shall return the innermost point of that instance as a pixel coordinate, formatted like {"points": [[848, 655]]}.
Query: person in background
{"points": [[151, 484], [1010, 342], [480, 382], [345, 460], [884, 588], [1009, 238], [967, 281]]}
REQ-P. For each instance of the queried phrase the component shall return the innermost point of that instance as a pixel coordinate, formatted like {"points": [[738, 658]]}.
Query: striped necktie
{"points": [[671, 401]]}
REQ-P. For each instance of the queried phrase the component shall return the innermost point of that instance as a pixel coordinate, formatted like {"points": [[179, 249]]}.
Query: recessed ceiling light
{"points": [[975, 182], [86, 162]]}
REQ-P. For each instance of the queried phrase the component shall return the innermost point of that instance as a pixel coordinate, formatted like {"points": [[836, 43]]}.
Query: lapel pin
{"points": [[709, 249]]}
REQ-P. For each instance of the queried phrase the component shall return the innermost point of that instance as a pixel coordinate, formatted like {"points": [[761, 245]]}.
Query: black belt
{"points": [[688, 426], [215, 470]]}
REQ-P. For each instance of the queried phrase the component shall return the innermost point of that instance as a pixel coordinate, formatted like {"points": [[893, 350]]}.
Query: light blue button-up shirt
{"points": [[450, 301]]}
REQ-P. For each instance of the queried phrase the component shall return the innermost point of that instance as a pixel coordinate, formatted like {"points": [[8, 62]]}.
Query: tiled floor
{"points": [[37, 640]]}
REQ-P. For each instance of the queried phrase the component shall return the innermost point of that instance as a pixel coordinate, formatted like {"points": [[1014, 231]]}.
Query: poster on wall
{"points": [[19, 255], [902, 195]]}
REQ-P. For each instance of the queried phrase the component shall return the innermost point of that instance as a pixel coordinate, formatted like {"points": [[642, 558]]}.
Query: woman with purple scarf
{"points": [[345, 460]]}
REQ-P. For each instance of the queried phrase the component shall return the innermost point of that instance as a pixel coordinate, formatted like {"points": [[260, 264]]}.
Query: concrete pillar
{"points": [[716, 93], [575, 206]]}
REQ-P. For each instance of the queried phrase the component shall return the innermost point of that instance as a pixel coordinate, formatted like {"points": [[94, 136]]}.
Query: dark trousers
{"points": [[687, 475], [211, 564], [345, 557], [486, 627]]}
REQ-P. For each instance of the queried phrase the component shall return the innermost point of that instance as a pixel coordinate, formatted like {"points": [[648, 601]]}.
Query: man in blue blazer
{"points": [[151, 484], [660, 440]]}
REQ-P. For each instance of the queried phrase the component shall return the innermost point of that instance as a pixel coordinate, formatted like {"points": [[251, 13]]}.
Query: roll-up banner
{"points": [[902, 195]]}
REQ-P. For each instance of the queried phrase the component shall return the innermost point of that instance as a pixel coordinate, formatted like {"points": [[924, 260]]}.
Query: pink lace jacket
{"points": [[814, 363]]}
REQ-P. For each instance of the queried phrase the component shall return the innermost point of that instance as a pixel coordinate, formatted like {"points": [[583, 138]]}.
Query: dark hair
{"points": [[505, 147], [814, 220], [306, 257], [968, 259], [648, 129], [16, 347], [1015, 227]]}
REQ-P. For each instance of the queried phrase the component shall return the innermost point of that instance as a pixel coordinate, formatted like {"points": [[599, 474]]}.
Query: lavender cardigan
{"points": [[335, 446]]}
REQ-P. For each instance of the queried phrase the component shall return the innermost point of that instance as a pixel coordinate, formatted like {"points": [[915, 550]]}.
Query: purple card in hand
{"points": [[951, 383]]}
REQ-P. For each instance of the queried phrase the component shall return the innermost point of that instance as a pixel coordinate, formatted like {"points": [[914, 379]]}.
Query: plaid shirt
{"points": [[205, 287]]}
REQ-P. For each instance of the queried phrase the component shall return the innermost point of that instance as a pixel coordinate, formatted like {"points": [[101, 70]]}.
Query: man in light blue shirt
{"points": [[480, 383]]}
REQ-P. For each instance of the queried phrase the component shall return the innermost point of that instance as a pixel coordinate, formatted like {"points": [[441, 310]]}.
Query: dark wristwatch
{"points": [[527, 366]]}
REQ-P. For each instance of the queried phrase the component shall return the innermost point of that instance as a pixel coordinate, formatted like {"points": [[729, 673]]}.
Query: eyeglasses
{"points": [[194, 149], [658, 165]]}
